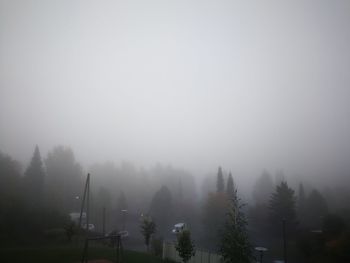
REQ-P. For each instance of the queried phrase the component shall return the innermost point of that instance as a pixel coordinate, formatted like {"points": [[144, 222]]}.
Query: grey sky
{"points": [[245, 84]]}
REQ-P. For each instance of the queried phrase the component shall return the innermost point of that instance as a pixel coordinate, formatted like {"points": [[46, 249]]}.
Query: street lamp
{"points": [[261, 250]]}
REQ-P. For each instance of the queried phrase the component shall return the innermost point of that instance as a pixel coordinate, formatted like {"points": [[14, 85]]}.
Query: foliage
{"points": [[34, 180], [282, 206], [301, 204], [64, 178], [235, 245], [333, 226], [185, 246], [315, 209], [230, 186], [220, 185], [148, 228]]}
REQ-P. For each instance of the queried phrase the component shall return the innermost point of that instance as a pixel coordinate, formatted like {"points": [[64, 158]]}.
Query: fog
{"points": [[195, 84], [179, 110]]}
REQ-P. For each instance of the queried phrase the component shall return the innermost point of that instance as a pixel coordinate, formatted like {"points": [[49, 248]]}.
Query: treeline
{"points": [[314, 230], [39, 199]]}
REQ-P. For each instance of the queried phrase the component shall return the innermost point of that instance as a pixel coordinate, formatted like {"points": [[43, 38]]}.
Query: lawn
{"points": [[69, 254]]}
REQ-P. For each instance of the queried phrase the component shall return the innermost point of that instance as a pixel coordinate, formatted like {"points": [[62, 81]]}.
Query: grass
{"points": [[69, 254]]}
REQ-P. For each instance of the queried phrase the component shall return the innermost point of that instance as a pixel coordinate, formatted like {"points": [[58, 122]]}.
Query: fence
{"points": [[201, 256]]}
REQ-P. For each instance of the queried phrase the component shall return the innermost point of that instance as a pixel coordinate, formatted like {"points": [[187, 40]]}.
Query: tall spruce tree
{"points": [[230, 186], [235, 245], [34, 179], [282, 206], [220, 185], [301, 202]]}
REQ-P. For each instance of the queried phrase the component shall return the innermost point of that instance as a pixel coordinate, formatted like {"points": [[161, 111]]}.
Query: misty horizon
{"points": [[195, 86]]}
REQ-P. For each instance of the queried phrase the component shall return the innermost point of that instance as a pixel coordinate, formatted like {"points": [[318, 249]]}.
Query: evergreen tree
{"points": [[235, 245], [148, 228], [230, 186], [34, 178], [301, 201], [315, 209], [220, 185], [64, 178], [185, 246], [282, 206]]}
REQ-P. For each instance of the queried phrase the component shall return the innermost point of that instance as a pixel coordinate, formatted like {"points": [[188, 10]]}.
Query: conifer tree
{"points": [[282, 206], [235, 245], [301, 202], [220, 185], [34, 179], [230, 186]]}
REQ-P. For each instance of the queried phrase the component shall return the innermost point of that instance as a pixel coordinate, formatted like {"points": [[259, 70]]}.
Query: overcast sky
{"points": [[245, 84]]}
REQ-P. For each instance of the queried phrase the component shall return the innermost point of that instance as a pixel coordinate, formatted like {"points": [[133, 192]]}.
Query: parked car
{"points": [[179, 227]]}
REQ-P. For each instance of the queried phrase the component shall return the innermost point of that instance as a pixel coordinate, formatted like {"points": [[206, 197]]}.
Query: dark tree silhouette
{"points": [[282, 206], [148, 228], [64, 178], [34, 179], [185, 246], [220, 185], [230, 186], [301, 202], [235, 245], [315, 209]]}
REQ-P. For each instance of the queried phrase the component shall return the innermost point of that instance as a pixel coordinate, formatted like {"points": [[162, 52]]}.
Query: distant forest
{"points": [[36, 202]]}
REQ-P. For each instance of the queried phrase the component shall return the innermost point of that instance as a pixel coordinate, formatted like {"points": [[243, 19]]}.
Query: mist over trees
{"points": [[49, 188]]}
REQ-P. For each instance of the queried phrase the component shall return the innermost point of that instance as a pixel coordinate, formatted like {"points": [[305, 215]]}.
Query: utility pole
{"points": [[86, 197]]}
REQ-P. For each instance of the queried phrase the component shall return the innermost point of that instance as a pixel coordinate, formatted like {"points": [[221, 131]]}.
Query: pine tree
{"points": [[230, 186], [282, 206], [220, 185], [34, 179], [235, 245], [301, 201]]}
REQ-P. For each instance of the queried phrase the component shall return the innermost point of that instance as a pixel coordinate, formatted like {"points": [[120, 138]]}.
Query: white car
{"points": [[179, 227]]}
